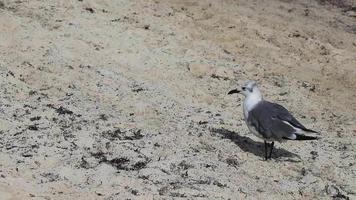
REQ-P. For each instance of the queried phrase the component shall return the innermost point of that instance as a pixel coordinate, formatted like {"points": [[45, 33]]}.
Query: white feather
{"points": [[296, 129], [252, 99]]}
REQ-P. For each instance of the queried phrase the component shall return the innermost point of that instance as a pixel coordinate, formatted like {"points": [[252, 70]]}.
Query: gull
{"points": [[270, 121]]}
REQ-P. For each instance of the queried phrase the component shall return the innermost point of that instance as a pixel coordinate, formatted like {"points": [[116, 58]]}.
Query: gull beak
{"points": [[234, 91]]}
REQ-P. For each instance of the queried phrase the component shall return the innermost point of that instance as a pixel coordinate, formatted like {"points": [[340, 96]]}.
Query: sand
{"points": [[104, 99]]}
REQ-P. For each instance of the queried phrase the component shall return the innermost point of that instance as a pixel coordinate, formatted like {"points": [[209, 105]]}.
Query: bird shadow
{"points": [[256, 148]]}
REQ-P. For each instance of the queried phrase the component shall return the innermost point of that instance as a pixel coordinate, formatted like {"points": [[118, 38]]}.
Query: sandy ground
{"points": [[104, 99]]}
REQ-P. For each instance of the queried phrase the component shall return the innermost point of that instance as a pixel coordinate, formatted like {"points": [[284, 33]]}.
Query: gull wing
{"points": [[273, 121]]}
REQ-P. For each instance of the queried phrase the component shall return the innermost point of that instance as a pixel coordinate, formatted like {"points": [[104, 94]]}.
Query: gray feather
{"points": [[267, 118]]}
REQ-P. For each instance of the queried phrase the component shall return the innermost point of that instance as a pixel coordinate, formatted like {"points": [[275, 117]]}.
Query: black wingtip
{"points": [[305, 137], [311, 131]]}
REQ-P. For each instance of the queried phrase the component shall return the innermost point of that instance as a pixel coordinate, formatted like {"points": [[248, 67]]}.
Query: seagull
{"points": [[270, 121]]}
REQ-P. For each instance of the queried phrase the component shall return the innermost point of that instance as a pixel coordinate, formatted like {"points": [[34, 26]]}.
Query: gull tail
{"points": [[300, 137]]}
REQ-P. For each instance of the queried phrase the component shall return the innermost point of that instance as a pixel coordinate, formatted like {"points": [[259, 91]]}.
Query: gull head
{"points": [[248, 89]]}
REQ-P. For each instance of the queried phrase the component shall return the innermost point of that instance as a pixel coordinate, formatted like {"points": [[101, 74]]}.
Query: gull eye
{"points": [[243, 88]]}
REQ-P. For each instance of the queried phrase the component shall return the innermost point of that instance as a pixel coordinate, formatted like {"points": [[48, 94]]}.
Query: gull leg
{"points": [[270, 151], [266, 146]]}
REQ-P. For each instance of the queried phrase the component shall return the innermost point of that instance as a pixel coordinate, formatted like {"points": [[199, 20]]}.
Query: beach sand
{"points": [[104, 99]]}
